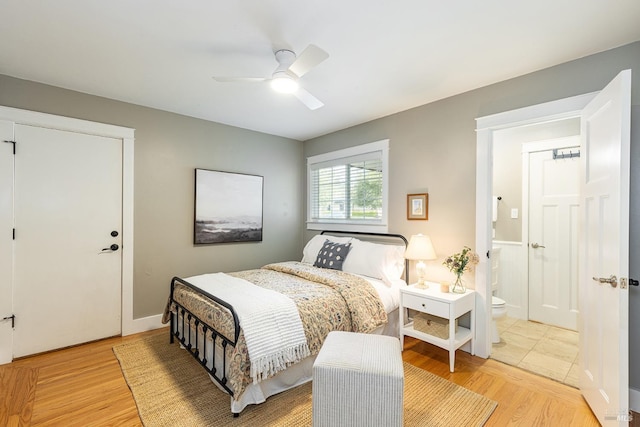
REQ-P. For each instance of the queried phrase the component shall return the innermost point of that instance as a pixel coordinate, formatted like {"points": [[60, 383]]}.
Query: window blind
{"points": [[348, 188]]}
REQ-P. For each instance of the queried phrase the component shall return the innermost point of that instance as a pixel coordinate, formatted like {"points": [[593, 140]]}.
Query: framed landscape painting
{"points": [[228, 207]]}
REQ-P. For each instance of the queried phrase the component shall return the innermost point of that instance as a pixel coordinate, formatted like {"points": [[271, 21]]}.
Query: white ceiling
{"points": [[385, 56]]}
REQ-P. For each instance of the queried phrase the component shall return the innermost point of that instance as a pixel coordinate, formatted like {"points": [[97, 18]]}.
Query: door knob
{"points": [[113, 248], [612, 280], [536, 246]]}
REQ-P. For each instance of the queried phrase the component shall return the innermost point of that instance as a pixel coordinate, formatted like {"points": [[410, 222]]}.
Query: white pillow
{"points": [[384, 262], [313, 246]]}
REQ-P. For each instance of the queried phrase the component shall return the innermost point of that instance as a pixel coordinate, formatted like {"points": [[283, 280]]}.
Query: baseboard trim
{"points": [[143, 324], [634, 400]]}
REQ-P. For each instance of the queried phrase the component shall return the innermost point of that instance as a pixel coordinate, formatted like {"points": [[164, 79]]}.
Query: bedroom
{"points": [[427, 142]]}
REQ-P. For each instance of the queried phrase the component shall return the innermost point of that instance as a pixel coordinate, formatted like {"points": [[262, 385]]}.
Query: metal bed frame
{"points": [[190, 339]]}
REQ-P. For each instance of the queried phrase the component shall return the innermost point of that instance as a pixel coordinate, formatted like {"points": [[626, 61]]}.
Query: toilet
{"points": [[498, 310]]}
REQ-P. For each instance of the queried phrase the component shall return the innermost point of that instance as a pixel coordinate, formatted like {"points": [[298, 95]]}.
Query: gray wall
{"points": [[433, 149], [168, 147]]}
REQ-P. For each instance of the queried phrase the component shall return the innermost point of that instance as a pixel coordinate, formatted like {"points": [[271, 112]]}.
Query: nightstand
{"points": [[446, 305]]}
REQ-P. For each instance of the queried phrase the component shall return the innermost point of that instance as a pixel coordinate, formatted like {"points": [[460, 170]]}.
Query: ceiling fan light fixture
{"points": [[284, 84], [286, 76]]}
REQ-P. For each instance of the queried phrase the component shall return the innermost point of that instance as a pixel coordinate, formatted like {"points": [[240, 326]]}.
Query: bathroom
{"points": [[534, 266]]}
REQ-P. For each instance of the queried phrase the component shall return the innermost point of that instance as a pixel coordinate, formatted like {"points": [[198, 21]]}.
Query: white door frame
{"points": [[51, 121], [485, 127]]}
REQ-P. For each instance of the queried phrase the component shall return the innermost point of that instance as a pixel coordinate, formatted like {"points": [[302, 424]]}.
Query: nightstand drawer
{"points": [[437, 308]]}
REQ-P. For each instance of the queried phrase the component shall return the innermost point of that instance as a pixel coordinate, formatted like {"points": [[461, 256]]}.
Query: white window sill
{"points": [[342, 226]]}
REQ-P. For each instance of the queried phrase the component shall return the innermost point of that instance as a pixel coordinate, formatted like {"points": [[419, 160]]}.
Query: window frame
{"points": [[366, 226]]}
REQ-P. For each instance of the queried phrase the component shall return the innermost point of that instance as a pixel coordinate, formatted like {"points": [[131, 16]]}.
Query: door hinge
{"points": [[13, 320], [488, 254], [14, 146], [14, 234]]}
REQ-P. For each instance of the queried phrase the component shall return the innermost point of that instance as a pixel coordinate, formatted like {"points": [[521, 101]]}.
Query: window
{"points": [[347, 189]]}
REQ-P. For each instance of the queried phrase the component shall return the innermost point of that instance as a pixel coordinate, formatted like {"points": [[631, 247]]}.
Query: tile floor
{"points": [[545, 350]]}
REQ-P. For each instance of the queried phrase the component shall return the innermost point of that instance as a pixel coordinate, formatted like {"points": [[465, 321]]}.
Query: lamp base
{"points": [[421, 285]]}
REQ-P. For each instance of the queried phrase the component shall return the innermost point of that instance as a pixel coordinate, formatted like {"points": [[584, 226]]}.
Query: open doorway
{"points": [[486, 129], [534, 243], [604, 235]]}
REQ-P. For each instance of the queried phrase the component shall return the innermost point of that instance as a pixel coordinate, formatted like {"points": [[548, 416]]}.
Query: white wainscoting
{"points": [[512, 278]]}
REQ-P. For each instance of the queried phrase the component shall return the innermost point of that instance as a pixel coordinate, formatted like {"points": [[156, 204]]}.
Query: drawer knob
{"points": [[423, 304]]}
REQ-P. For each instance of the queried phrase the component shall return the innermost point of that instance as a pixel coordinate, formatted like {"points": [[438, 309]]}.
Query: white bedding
{"points": [[390, 295]]}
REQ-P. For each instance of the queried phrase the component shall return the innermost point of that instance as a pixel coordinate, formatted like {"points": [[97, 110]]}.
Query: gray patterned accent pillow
{"points": [[332, 255]]}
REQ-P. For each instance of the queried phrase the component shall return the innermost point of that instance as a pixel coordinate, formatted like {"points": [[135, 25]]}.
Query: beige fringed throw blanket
{"points": [[270, 321]]}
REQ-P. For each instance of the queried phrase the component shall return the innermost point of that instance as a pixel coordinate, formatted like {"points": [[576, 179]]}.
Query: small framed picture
{"points": [[418, 206]]}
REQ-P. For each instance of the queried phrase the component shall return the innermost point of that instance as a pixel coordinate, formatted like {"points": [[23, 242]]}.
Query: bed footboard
{"points": [[192, 333]]}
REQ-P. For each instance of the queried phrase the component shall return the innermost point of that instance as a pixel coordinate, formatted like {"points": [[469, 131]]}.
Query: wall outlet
{"points": [[514, 213]]}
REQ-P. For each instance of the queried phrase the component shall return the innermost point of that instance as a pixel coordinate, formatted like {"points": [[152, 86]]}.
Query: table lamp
{"points": [[420, 249]]}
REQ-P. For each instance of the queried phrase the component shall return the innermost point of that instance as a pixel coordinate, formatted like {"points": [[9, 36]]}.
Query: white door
{"points": [[604, 233], [554, 199], [6, 241], [68, 202]]}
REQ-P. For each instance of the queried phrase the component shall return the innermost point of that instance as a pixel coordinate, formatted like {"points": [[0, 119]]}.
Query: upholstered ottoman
{"points": [[358, 380]]}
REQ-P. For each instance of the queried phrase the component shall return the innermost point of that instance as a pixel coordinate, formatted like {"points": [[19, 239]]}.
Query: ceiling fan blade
{"points": [[307, 99], [239, 79], [309, 58]]}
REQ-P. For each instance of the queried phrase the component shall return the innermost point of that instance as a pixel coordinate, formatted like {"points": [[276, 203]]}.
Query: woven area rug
{"points": [[171, 389]]}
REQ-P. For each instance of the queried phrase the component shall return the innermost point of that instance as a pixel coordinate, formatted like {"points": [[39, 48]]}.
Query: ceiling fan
{"points": [[285, 77]]}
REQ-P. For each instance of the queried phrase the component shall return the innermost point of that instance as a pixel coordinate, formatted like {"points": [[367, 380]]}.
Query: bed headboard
{"points": [[385, 238]]}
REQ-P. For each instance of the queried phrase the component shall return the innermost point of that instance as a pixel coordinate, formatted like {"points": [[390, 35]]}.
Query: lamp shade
{"points": [[420, 248]]}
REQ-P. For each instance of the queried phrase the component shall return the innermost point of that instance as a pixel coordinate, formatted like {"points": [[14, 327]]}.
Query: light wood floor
{"points": [[83, 386]]}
